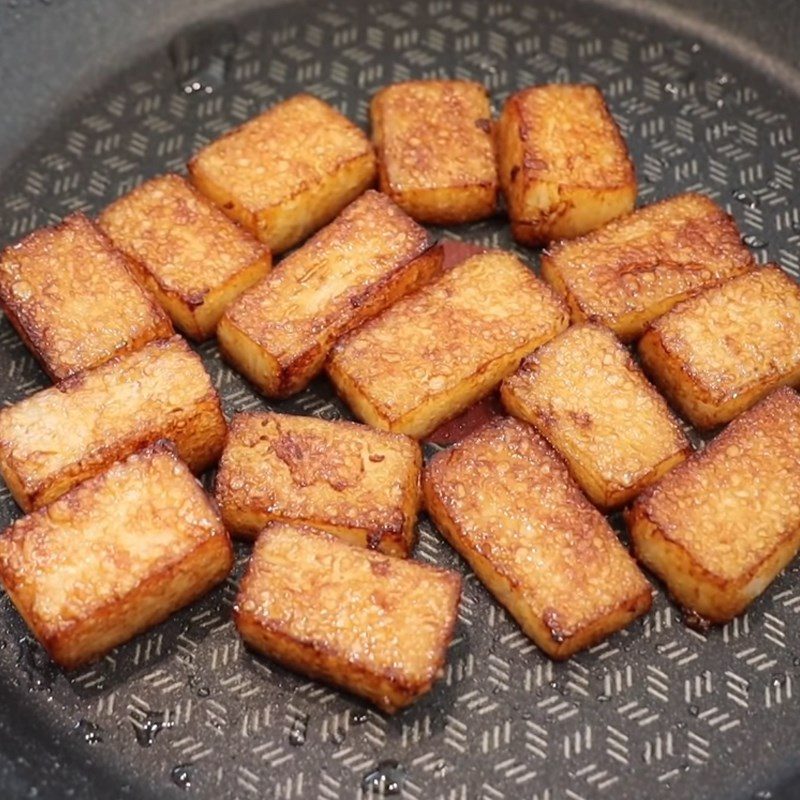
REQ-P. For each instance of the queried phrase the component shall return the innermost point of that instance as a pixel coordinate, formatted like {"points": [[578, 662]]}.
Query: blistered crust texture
{"points": [[563, 164], [62, 435], [350, 270], [376, 625], [637, 267], [361, 483], [740, 339], [288, 171], [186, 244], [73, 298], [585, 394], [67, 566], [433, 342], [508, 504], [435, 149], [731, 504]]}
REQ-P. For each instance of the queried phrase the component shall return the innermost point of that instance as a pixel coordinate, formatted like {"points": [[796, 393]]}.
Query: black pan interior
{"points": [[658, 710]]}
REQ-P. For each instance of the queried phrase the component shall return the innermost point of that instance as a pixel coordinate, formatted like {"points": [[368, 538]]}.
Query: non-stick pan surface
{"points": [[658, 710]]}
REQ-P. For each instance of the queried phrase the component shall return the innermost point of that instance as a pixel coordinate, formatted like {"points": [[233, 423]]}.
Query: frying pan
{"points": [[97, 96]]}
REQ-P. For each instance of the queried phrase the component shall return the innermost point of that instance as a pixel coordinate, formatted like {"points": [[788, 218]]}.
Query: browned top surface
{"points": [[595, 405], [736, 334], [430, 341], [306, 468], [319, 287], [514, 503], [187, 244], [569, 137], [432, 134], [75, 296], [731, 504], [92, 546], [388, 615], [662, 250], [150, 389], [278, 154]]}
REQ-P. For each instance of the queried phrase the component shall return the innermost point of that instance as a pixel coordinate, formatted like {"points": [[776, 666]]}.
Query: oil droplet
{"points": [[152, 724], [91, 732], [751, 240], [196, 684], [297, 735], [358, 717], [745, 198], [386, 779], [181, 775], [602, 698], [778, 678], [671, 88], [201, 56], [763, 794], [795, 660], [338, 736], [694, 710]]}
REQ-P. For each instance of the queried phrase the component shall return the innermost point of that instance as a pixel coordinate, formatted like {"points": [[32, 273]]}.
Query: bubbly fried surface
{"points": [[288, 171], [73, 298], [720, 352], [721, 526], [356, 482], [435, 149], [437, 351], [507, 503], [352, 269], [114, 556], [587, 397], [62, 435], [375, 625], [638, 267], [187, 251], [564, 166]]}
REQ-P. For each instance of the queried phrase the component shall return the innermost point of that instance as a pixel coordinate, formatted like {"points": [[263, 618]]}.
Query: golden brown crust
{"points": [[563, 164], [720, 352], [719, 528], [435, 149], [188, 252], [73, 298], [149, 542], [638, 267], [587, 397], [435, 352], [358, 483], [366, 622], [279, 332], [63, 435], [506, 502], [288, 171]]}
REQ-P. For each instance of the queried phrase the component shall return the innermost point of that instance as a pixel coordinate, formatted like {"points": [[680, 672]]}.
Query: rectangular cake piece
{"points": [[65, 434], [436, 352], [507, 503], [73, 298], [279, 333], [720, 352], [637, 268], [355, 482], [374, 625], [192, 258], [721, 526], [564, 166], [435, 149], [288, 171], [587, 397], [115, 556]]}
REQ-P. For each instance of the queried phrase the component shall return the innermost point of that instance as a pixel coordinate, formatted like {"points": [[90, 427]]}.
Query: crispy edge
{"points": [[435, 205], [36, 337], [544, 630], [276, 378], [200, 449], [389, 690]]}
